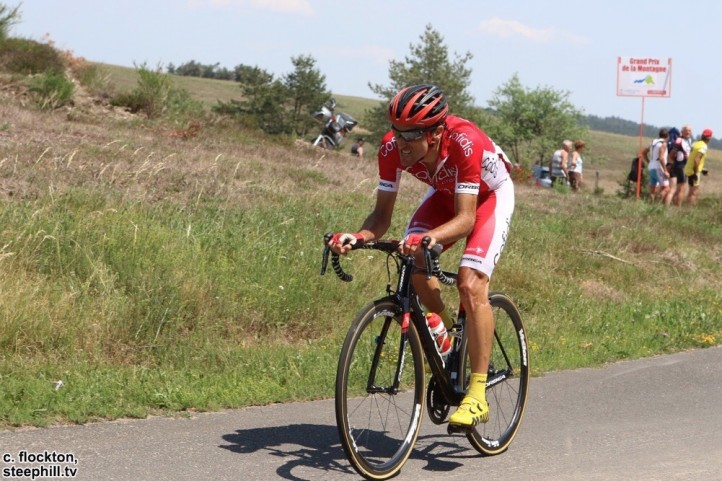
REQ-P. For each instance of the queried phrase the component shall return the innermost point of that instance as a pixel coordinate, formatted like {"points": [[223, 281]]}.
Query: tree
{"points": [[306, 90], [532, 123], [264, 100], [427, 63], [278, 106]]}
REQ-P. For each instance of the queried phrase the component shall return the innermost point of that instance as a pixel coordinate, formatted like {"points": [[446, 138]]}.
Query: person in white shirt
{"points": [[657, 169]]}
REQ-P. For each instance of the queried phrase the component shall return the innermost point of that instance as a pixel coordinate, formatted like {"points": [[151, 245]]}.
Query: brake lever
{"points": [[427, 256]]}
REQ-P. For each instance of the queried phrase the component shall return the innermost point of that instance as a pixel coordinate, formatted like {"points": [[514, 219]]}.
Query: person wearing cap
{"points": [[695, 165]]}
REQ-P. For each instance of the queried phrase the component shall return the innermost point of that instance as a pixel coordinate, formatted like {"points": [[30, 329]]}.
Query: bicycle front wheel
{"points": [[508, 378], [379, 391]]}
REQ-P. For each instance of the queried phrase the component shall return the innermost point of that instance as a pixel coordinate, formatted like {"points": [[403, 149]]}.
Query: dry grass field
{"points": [[607, 157]]}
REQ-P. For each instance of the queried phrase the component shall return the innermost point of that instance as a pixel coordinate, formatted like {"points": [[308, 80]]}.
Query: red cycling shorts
{"points": [[488, 238]]}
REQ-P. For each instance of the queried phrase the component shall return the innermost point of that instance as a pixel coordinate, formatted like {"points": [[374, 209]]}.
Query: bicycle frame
{"points": [[381, 358], [405, 297]]}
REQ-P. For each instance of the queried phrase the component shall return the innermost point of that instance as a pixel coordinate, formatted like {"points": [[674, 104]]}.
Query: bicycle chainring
{"points": [[436, 405]]}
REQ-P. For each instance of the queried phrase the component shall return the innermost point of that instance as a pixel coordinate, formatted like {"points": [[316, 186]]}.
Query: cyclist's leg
{"points": [[483, 248], [509, 377], [474, 294]]}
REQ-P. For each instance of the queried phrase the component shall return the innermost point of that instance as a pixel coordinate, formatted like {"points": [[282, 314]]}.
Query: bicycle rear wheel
{"points": [[508, 378], [379, 391]]}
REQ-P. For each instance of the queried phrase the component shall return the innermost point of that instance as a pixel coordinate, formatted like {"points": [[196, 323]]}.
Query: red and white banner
{"points": [[644, 77]]}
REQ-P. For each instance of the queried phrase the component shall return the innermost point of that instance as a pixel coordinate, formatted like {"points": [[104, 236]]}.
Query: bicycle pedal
{"points": [[456, 330], [456, 429]]}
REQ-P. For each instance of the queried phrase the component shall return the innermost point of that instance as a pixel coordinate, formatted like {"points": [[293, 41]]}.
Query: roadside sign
{"points": [[644, 77]]}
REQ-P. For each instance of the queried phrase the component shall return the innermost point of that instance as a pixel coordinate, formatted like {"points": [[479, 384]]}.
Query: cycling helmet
{"points": [[418, 106]]}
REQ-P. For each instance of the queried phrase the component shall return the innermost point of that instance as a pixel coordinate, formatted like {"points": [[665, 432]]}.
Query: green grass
{"points": [[153, 274]]}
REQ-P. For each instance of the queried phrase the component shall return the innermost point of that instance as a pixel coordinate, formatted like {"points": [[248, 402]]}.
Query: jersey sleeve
{"points": [[389, 164]]}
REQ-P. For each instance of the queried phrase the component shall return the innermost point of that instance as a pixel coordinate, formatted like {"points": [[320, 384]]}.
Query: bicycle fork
{"points": [[371, 386]]}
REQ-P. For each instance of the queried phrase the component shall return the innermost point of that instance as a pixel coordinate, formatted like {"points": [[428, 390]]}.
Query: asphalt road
{"points": [[653, 419]]}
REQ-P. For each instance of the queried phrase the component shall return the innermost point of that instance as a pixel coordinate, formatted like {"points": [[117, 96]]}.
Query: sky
{"points": [[569, 46]]}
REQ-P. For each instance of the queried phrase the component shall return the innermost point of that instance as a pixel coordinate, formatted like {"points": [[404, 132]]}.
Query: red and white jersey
{"points": [[469, 162]]}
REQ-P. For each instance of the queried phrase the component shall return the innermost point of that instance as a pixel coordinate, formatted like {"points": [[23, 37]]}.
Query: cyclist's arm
{"points": [[375, 225], [379, 221]]}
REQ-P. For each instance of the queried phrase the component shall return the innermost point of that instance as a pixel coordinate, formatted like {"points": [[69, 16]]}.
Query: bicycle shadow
{"points": [[316, 446]]}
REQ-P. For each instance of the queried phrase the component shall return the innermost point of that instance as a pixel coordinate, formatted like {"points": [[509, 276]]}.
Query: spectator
{"points": [[677, 158], [559, 161], [695, 166], [575, 166], [657, 168], [357, 149]]}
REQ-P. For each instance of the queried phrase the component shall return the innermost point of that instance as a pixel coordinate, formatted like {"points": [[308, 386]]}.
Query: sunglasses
{"points": [[410, 135]]}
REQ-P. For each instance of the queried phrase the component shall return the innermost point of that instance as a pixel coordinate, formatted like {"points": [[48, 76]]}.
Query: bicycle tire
{"points": [[378, 427], [508, 379]]}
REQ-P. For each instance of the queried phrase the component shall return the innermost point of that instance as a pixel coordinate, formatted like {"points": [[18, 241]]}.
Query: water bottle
{"points": [[438, 331]]}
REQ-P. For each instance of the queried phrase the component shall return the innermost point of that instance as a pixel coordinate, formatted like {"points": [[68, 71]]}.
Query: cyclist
{"points": [[471, 196]]}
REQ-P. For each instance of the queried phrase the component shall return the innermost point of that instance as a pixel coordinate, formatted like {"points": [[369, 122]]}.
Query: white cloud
{"points": [[302, 7], [507, 28]]}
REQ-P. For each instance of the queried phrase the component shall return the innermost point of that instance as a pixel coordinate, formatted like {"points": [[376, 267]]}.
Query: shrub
{"points": [[154, 95], [52, 90], [180, 102], [521, 174], [151, 94], [28, 57], [94, 78], [8, 18]]}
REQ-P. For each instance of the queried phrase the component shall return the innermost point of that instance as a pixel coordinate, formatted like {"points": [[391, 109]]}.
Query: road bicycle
{"points": [[380, 381]]}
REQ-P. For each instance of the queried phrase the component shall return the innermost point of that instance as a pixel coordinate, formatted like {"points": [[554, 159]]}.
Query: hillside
{"points": [[166, 265], [607, 158]]}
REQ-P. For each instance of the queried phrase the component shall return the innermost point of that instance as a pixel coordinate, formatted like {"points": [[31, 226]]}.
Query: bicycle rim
{"points": [[508, 379], [378, 425]]}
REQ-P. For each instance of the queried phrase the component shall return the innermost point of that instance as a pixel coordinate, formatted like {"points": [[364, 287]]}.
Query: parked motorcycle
{"points": [[335, 125]]}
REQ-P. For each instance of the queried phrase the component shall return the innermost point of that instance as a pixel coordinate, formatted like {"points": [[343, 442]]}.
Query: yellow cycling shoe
{"points": [[470, 413]]}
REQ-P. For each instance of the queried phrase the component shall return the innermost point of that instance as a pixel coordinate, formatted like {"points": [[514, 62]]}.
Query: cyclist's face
{"points": [[413, 144]]}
